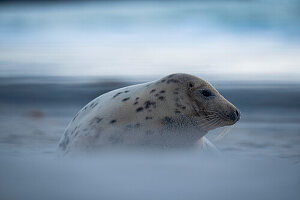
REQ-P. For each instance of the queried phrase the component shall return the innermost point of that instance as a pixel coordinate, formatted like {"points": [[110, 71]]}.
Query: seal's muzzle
{"points": [[234, 116]]}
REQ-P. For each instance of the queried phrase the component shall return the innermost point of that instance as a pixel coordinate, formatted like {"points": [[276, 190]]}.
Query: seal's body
{"points": [[175, 111]]}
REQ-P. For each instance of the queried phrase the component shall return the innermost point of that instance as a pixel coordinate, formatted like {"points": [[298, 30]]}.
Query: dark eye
{"points": [[206, 93], [191, 85]]}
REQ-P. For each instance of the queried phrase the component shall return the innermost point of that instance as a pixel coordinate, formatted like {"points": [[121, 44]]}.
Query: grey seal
{"points": [[173, 112]]}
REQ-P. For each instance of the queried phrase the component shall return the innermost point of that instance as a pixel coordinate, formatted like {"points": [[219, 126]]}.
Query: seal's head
{"points": [[207, 105]]}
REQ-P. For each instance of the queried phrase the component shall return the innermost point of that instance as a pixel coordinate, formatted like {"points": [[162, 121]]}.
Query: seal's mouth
{"points": [[209, 120]]}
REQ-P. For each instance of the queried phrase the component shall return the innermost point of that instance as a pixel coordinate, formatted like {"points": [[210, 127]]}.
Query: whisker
{"points": [[224, 132], [216, 123], [207, 123], [211, 124], [217, 113]]}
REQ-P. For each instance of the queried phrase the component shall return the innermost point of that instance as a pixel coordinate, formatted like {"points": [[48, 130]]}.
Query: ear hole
{"points": [[191, 85]]}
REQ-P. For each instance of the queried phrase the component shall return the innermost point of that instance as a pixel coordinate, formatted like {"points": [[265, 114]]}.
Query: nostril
{"points": [[232, 116], [237, 113]]}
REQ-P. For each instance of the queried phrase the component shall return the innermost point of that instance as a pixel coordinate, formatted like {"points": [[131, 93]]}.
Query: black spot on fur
{"points": [[172, 81], [167, 120], [137, 125], [95, 104], [75, 117], [149, 103], [125, 99], [76, 128], [62, 146], [126, 91], [117, 94], [191, 84], [152, 90], [113, 121], [95, 120], [161, 98], [92, 105], [136, 101], [148, 118], [162, 91], [64, 143], [177, 112], [156, 95], [178, 105], [98, 119], [139, 109]]}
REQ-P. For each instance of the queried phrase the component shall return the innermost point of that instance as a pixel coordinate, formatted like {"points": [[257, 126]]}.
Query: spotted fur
{"points": [[164, 111]]}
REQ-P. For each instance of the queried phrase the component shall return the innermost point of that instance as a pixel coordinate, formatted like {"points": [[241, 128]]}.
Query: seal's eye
{"points": [[191, 85], [206, 93]]}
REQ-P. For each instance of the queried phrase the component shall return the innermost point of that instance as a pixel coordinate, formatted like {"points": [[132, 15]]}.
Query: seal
{"points": [[175, 111]]}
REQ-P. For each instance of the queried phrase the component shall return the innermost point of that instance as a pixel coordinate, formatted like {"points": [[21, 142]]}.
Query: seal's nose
{"points": [[237, 113], [234, 115]]}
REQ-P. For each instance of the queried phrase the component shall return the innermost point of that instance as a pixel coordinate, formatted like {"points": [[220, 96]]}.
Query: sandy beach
{"points": [[266, 137]]}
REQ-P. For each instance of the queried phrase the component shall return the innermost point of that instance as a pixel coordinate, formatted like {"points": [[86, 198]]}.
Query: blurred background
{"points": [[56, 56], [247, 39]]}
